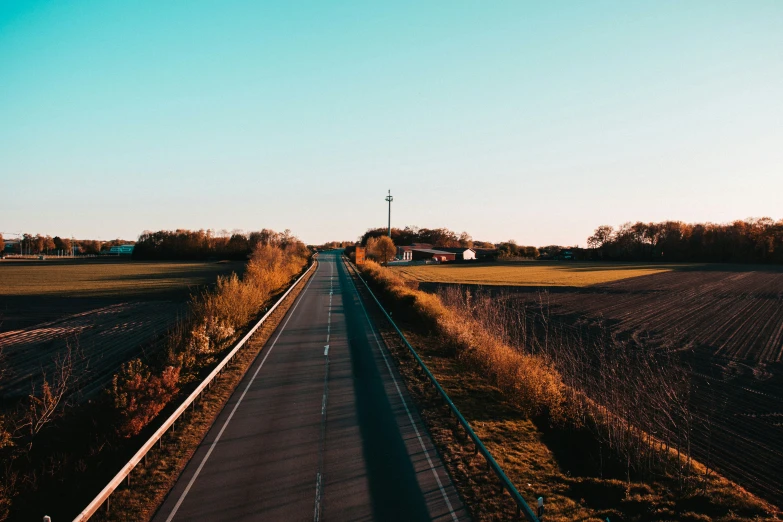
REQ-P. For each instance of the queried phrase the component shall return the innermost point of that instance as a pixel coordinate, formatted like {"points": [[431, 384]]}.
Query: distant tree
{"points": [[62, 244], [465, 240], [508, 249], [531, 252], [385, 249], [238, 246], [90, 247], [38, 244], [602, 235], [757, 240], [48, 244]]}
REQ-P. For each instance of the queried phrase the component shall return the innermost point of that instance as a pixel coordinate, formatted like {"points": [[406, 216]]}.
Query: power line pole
{"points": [[389, 198]]}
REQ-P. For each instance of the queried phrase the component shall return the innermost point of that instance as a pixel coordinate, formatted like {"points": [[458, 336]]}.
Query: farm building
{"points": [[436, 255], [405, 253], [461, 253]]}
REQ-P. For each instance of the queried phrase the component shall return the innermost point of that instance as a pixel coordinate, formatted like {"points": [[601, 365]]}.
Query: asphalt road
{"points": [[321, 428]]}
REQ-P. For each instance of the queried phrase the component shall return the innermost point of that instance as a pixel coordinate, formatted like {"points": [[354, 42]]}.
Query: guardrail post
{"points": [[540, 512]]}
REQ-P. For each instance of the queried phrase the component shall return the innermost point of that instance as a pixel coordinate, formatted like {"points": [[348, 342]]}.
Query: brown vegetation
{"points": [[139, 396], [749, 241], [216, 319], [205, 244], [93, 433], [36, 244], [576, 387], [152, 480], [381, 249], [722, 325]]}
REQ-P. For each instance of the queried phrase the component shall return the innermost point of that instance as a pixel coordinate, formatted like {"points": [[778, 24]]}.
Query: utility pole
{"points": [[389, 198]]}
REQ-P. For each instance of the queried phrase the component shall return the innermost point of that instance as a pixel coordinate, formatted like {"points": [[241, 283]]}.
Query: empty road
{"points": [[320, 428]]}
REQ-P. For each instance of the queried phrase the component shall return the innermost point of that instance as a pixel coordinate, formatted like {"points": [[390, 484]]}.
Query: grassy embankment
{"points": [[152, 481], [520, 407]]}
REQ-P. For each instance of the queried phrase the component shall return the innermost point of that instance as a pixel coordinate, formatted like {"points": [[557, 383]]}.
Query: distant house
{"points": [[429, 253], [461, 253], [121, 250], [405, 253]]}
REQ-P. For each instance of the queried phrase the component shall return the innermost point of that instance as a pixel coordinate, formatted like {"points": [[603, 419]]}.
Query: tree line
{"points": [[36, 244], [206, 244], [443, 237], [742, 241]]}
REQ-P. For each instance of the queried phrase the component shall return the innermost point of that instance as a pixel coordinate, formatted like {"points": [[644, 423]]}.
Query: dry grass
{"points": [[540, 459], [99, 278], [531, 273]]}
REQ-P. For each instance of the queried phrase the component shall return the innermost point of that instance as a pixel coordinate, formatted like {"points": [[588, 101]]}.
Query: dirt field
{"points": [[727, 321], [106, 310], [533, 273]]}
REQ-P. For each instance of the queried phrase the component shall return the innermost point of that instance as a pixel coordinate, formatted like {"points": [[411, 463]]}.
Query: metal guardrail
{"points": [[124, 473], [522, 506]]}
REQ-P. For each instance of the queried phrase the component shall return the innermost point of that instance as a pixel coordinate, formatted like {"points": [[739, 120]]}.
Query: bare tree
{"points": [[48, 402]]}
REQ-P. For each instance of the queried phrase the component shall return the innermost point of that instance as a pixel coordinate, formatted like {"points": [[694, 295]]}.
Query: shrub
{"points": [[217, 316], [139, 395], [529, 381]]}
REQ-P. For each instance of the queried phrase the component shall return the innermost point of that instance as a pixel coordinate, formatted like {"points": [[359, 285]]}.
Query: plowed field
{"points": [[106, 311], [727, 321]]}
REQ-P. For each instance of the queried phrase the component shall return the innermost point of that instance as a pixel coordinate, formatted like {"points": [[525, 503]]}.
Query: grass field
{"points": [[111, 278], [535, 273], [107, 310]]}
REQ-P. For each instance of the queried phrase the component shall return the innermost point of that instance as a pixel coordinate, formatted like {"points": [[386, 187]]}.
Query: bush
{"points": [[530, 382], [139, 395], [216, 318]]}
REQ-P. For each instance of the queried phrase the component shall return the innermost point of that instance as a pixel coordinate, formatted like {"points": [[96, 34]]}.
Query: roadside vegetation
{"points": [[57, 452], [615, 417], [152, 479]]}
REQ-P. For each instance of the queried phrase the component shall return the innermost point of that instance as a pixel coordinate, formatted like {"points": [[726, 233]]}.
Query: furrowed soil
{"points": [[542, 460], [727, 323], [106, 311]]}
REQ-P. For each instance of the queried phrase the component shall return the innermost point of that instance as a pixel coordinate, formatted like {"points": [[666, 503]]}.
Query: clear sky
{"points": [[536, 121]]}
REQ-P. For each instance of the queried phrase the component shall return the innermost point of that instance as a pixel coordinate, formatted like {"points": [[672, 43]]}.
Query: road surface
{"points": [[320, 428]]}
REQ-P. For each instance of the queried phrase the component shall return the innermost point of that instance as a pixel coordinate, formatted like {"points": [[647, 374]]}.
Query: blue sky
{"points": [[533, 121]]}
